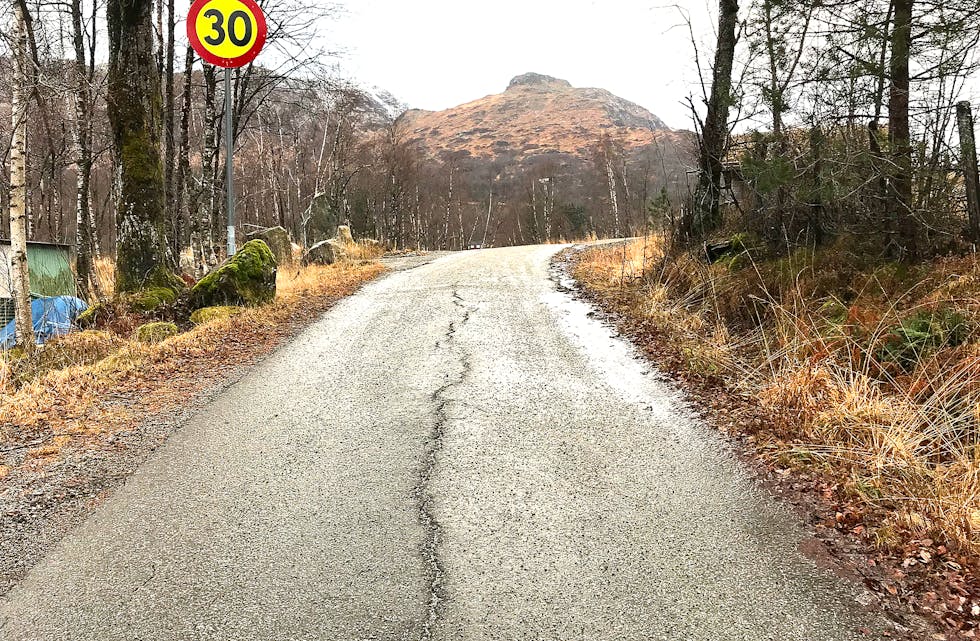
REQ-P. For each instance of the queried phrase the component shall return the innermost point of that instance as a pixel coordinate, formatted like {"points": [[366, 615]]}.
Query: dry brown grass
{"points": [[848, 390], [104, 273], [98, 384], [367, 251]]}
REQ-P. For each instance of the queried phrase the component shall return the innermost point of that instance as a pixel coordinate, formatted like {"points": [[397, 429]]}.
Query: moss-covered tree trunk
{"points": [[135, 115]]}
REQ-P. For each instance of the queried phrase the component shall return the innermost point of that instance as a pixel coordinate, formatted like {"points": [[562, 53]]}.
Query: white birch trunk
{"points": [[486, 229], [449, 209], [613, 198], [18, 188], [81, 130]]}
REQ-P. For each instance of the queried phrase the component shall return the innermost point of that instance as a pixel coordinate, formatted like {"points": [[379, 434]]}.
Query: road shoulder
{"points": [[88, 442], [813, 497]]}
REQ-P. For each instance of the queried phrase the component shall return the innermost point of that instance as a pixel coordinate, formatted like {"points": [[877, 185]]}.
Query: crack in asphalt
{"points": [[424, 496], [153, 573]]}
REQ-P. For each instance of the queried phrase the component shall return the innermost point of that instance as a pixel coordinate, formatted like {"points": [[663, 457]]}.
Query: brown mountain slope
{"points": [[541, 161], [538, 116]]}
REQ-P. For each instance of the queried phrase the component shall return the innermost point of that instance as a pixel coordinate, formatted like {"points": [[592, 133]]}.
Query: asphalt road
{"points": [[458, 452]]}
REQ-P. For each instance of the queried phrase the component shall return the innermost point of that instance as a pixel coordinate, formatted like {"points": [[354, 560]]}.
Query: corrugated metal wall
{"points": [[51, 274]]}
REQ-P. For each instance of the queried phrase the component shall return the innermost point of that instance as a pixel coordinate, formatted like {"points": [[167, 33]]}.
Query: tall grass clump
{"points": [[871, 369]]}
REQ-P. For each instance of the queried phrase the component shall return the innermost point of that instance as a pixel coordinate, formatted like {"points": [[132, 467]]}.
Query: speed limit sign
{"points": [[227, 33]]}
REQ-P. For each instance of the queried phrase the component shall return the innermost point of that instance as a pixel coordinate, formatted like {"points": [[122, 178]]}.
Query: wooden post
{"points": [[971, 173]]}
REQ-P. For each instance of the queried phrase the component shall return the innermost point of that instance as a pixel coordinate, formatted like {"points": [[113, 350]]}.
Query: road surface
{"points": [[458, 452]]}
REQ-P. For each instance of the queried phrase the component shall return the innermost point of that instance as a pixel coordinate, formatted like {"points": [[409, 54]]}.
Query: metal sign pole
{"points": [[229, 166], [213, 31]]}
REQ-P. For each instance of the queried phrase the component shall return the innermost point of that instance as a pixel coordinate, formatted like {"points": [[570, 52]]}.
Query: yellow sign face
{"points": [[227, 29]]}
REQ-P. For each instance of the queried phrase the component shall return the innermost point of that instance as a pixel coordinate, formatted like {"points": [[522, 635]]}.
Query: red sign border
{"points": [[227, 63]]}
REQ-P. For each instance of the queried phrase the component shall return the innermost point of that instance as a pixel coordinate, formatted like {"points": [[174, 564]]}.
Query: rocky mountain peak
{"points": [[538, 80], [538, 119]]}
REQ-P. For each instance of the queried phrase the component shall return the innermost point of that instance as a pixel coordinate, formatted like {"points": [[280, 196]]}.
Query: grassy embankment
{"points": [[866, 372], [95, 383]]}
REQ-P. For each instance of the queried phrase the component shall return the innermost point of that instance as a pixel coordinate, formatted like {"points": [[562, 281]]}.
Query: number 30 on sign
{"points": [[227, 33]]}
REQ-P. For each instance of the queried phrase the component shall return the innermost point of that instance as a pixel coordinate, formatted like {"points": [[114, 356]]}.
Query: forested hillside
{"points": [[313, 150], [560, 161]]}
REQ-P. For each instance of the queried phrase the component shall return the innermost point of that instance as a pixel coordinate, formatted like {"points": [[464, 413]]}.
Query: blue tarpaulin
{"points": [[52, 317]]}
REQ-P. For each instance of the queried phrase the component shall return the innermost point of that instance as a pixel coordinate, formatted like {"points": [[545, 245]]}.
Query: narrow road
{"points": [[459, 452]]}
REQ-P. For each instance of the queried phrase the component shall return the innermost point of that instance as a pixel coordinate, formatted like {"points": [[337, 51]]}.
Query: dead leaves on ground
{"points": [[82, 405]]}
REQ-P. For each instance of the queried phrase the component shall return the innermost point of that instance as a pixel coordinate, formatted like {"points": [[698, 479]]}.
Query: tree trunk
{"points": [[92, 48], [449, 210], [899, 135], [625, 178], [208, 203], [815, 222], [84, 233], [714, 134], [486, 229], [534, 211], [774, 52], [135, 114], [184, 207], [613, 197], [971, 174], [171, 187], [878, 161], [21, 279]]}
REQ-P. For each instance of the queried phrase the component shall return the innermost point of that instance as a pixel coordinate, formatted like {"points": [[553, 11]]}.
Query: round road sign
{"points": [[227, 33]]}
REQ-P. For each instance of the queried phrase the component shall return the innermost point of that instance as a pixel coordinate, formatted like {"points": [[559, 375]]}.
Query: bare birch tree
{"points": [[21, 279]]}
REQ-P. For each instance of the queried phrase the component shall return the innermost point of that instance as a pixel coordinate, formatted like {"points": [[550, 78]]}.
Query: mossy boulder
{"points": [[729, 250], [163, 288], [209, 314], [277, 238], [166, 278], [151, 299], [153, 333], [247, 279]]}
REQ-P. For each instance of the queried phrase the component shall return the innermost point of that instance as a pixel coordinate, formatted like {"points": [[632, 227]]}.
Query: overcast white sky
{"points": [[435, 54]]}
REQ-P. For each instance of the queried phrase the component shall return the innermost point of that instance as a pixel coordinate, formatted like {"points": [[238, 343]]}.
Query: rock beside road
{"points": [[247, 279], [327, 252], [338, 249], [210, 314], [277, 238], [344, 236]]}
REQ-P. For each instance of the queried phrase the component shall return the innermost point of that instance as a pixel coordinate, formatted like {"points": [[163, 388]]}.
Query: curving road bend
{"points": [[458, 452]]}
